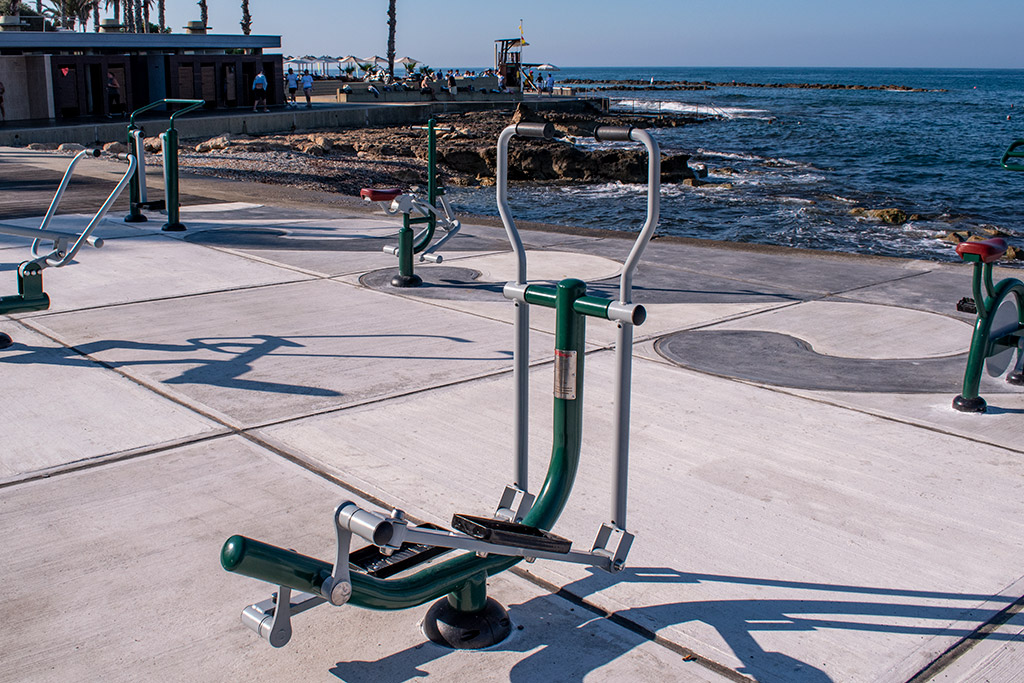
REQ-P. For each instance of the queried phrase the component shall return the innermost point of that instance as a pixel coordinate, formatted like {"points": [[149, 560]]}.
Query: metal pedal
{"points": [[967, 305], [157, 205], [511, 534], [370, 560]]}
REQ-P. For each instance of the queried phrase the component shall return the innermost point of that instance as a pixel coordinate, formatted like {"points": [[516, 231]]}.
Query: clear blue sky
{"points": [[446, 33]]}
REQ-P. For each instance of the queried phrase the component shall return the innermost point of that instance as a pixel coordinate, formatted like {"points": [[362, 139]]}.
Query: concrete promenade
{"points": [[807, 505]]}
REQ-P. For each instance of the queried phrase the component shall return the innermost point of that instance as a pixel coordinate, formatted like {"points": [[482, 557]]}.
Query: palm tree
{"points": [[117, 9], [160, 14], [391, 38], [96, 17], [246, 18], [204, 14]]}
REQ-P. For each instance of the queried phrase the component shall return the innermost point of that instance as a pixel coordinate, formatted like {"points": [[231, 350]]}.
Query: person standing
{"points": [[259, 91], [549, 84], [453, 89], [307, 88], [292, 81], [113, 94]]}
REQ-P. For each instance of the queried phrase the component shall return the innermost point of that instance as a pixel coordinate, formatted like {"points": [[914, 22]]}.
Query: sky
{"points": [[823, 33]]}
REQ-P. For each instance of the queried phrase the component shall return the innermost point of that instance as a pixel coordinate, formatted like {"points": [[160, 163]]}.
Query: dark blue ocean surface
{"points": [[789, 165]]}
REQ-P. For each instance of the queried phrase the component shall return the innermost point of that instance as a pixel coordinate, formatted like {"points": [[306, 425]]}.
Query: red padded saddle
{"points": [[379, 195], [987, 250]]}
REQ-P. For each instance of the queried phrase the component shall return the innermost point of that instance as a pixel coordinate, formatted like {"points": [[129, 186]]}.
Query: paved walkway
{"points": [[807, 506]]}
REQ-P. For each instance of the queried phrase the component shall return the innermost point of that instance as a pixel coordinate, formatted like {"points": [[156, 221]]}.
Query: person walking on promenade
{"points": [[113, 94], [292, 81], [259, 91], [307, 88], [453, 89]]}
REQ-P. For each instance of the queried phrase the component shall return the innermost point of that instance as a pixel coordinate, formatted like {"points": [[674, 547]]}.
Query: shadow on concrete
{"points": [[236, 358], [313, 238], [565, 655]]}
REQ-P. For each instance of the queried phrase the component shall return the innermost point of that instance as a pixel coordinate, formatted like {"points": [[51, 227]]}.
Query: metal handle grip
{"points": [[274, 565], [535, 130], [613, 133]]}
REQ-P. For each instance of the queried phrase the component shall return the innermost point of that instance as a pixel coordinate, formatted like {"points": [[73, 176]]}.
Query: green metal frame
{"points": [[987, 297], [410, 244], [462, 578], [169, 144], [30, 296]]}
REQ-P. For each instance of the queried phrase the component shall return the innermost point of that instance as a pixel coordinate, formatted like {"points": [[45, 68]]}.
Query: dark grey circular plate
{"points": [[785, 361], [439, 282]]}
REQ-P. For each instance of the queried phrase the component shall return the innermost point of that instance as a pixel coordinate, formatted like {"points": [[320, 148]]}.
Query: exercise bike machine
{"points": [[137, 193], [999, 329], [63, 245], [520, 527], [433, 210]]}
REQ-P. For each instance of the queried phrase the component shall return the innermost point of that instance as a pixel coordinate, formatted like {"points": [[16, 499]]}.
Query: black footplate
{"points": [[370, 560], [510, 533], [156, 205], [967, 305]]}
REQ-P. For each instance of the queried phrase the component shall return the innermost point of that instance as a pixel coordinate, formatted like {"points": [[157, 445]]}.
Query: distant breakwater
{"points": [[639, 84]]}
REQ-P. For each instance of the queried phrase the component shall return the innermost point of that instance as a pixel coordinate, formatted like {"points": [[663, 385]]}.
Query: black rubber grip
{"points": [[95, 152], [613, 133], [536, 130]]}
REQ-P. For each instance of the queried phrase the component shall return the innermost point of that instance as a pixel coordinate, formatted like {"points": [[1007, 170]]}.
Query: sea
{"points": [[792, 166]]}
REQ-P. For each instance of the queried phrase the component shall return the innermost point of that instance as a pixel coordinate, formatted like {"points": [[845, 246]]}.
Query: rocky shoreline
{"points": [[654, 84], [346, 160]]}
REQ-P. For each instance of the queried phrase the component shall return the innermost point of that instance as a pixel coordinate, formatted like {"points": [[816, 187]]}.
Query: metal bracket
{"points": [[271, 619], [602, 545], [507, 509], [338, 588]]}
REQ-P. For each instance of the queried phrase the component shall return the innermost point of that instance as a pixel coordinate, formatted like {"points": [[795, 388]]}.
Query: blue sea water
{"points": [[788, 164]]}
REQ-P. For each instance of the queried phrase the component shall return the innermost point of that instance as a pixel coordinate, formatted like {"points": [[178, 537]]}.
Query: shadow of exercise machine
{"points": [[520, 527], [63, 245]]}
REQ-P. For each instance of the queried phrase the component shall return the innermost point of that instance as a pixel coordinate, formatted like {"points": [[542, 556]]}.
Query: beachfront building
{"points": [[67, 75]]}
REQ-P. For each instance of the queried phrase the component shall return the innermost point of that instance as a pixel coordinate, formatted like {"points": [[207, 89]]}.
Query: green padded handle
{"points": [[1012, 166], [274, 565]]}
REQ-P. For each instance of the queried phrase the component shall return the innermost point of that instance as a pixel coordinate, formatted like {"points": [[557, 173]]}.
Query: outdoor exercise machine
{"points": [[63, 246], [999, 328], [433, 210], [520, 527], [137, 192]]}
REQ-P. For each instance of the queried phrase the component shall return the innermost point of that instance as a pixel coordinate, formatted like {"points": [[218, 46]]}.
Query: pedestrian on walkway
{"points": [[307, 88], [259, 91], [292, 80]]}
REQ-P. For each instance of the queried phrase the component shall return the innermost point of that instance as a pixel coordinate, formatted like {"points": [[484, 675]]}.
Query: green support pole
{"points": [[135, 214], [169, 139], [433, 189], [406, 277]]}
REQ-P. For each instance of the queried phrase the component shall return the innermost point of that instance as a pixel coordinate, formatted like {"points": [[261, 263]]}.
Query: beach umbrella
{"points": [[548, 67], [348, 60], [376, 59]]}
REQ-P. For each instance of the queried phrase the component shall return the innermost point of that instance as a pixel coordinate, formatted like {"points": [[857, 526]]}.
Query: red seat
{"points": [[987, 250], [376, 195]]}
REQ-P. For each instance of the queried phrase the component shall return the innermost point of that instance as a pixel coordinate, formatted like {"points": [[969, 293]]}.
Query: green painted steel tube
{"points": [[594, 306], [427, 235], [169, 143], [405, 251], [274, 565], [981, 341]]}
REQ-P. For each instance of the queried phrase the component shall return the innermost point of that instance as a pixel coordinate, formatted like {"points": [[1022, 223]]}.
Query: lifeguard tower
{"points": [[508, 61]]}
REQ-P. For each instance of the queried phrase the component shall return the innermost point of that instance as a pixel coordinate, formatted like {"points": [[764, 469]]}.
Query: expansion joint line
{"points": [[965, 644]]}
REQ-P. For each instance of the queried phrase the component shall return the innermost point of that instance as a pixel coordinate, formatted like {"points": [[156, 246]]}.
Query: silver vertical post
{"points": [[624, 337], [521, 352]]}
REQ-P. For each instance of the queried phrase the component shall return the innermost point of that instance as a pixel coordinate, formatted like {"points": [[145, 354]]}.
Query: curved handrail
{"points": [[1011, 153], [193, 104], [59, 257]]}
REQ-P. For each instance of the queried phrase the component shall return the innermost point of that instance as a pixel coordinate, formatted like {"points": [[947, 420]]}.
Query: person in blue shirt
{"points": [[307, 88], [259, 91], [292, 81]]}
